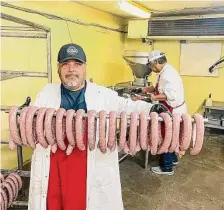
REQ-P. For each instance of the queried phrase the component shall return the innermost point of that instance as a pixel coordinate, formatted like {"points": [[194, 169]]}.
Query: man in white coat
{"points": [[169, 91], [85, 179]]}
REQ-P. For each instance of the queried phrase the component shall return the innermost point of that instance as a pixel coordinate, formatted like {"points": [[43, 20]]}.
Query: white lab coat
{"points": [[170, 84], [103, 177]]}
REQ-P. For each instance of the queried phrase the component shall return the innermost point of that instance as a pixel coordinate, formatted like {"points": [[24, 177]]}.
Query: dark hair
{"points": [[162, 60]]}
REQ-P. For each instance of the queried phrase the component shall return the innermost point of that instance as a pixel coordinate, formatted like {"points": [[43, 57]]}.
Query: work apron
{"points": [[67, 180]]}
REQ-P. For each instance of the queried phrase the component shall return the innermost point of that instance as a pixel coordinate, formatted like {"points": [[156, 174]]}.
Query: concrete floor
{"points": [[198, 181]]}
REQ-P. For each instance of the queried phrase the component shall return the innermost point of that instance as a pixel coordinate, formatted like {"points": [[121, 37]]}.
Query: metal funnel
{"points": [[137, 61]]}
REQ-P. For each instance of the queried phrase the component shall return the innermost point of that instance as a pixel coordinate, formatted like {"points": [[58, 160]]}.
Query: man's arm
{"points": [[160, 97], [129, 105], [113, 102]]}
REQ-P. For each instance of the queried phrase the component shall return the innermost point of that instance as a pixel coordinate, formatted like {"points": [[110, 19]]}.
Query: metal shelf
{"points": [[214, 126], [20, 172], [19, 203], [19, 28], [27, 30], [24, 35], [213, 108], [9, 74], [217, 105]]}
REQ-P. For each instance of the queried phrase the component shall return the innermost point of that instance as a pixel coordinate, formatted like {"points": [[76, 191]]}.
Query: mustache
{"points": [[71, 75]]}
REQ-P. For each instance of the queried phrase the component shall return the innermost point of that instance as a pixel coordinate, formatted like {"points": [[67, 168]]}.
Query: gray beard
{"points": [[67, 86]]}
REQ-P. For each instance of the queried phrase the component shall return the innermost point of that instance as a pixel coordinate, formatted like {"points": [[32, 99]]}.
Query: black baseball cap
{"points": [[71, 51]]}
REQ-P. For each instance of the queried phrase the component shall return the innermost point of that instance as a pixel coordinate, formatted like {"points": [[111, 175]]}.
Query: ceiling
{"points": [[156, 6]]}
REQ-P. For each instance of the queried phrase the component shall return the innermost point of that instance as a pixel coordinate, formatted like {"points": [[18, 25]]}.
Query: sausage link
{"points": [[133, 133], [23, 125], [1, 178], [12, 144], [168, 133], [9, 192], [123, 131], [13, 187], [143, 131], [79, 129], [91, 129], [4, 199], [176, 132], [13, 124], [2, 202], [154, 132], [40, 127], [34, 130], [200, 129], [102, 136], [54, 148], [160, 138], [149, 140], [181, 153], [186, 131], [70, 127], [69, 149], [49, 126], [60, 132], [126, 148], [138, 145], [30, 130], [112, 130], [16, 184], [19, 180], [177, 149]]}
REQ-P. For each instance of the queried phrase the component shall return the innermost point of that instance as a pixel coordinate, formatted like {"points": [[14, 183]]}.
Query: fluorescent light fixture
{"points": [[134, 9]]}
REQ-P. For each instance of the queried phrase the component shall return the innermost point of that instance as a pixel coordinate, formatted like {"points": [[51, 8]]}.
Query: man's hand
{"points": [[136, 97], [148, 89]]}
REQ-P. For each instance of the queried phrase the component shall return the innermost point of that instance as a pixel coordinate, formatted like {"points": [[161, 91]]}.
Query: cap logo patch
{"points": [[72, 50]]}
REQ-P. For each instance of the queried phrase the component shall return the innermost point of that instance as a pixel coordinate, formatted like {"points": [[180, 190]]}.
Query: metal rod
{"points": [[123, 157], [6, 110], [4, 142], [23, 35], [20, 172], [19, 203], [146, 159], [8, 74], [18, 28], [20, 157]]}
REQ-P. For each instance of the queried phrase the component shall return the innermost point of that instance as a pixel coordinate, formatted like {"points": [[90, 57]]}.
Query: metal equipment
{"points": [[27, 30], [216, 65], [19, 169], [137, 62]]}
